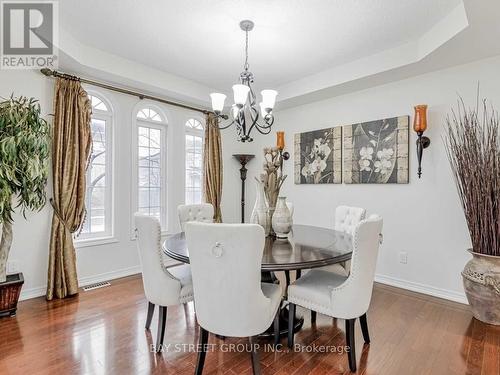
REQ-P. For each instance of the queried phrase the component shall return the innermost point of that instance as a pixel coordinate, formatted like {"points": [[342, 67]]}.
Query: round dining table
{"points": [[306, 247]]}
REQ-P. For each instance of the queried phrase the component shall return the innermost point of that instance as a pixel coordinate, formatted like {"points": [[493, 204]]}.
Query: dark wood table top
{"points": [[306, 247]]}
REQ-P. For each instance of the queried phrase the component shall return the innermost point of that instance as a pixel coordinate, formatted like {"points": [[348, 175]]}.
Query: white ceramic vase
{"points": [[260, 209], [282, 219]]}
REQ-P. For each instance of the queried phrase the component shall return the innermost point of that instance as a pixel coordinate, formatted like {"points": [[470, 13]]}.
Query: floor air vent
{"points": [[96, 286]]}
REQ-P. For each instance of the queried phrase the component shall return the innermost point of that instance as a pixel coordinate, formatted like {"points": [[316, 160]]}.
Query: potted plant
{"points": [[24, 158], [473, 146]]}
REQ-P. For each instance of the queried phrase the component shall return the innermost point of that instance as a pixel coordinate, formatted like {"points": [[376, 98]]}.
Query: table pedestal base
{"points": [[299, 321], [269, 277]]}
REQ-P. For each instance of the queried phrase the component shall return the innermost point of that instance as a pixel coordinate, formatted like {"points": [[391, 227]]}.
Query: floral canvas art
{"points": [[376, 152], [318, 156]]}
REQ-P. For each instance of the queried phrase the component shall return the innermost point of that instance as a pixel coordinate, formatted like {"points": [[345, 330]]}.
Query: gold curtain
{"points": [[212, 165], [71, 144]]}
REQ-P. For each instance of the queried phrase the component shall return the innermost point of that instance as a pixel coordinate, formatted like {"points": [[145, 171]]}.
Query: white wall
{"points": [[119, 258], [423, 218]]}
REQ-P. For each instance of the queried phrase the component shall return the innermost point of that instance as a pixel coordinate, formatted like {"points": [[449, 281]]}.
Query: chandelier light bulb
{"points": [[235, 111], [240, 93], [263, 110], [269, 98], [217, 101]]}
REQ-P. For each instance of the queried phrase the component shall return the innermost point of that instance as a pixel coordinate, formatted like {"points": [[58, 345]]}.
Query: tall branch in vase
{"points": [[272, 178]]}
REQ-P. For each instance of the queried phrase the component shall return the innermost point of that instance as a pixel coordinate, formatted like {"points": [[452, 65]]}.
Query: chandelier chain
{"points": [[246, 66]]}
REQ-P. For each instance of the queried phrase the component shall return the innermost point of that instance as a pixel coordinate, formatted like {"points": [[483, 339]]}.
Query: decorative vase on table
{"points": [[282, 219], [272, 179], [290, 208], [260, 209], [270, 213]]}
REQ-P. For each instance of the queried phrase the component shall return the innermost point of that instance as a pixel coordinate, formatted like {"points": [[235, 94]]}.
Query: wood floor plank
{"points": [[102, 332], [491, 357]]}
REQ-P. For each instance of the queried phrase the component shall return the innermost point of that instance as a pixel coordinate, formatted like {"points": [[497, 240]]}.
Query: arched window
{"points": [[194, 161], [98, 198], [151, 166], [149, 114], [193, 124]]}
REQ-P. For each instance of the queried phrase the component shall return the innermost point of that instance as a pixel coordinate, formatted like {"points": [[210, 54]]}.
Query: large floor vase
{"points": [[481, 277]]}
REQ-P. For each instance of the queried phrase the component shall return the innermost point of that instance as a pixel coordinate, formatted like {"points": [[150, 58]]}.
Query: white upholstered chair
{"points": [[346, 219], [163, 287], [345, 297], [230, 299], [203, 212]]}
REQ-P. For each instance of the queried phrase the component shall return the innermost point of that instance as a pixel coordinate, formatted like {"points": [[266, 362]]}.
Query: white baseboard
{"points": [[83, 281], [422, 288], [32, 293], [387, 280]]}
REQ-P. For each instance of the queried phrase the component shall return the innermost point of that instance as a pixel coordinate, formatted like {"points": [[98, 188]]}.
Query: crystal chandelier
{"points": [[244, 113]]}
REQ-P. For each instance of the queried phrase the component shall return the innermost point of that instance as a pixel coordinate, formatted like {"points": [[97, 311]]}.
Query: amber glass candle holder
{"points": [[280, 140], [420, 119], [420, 126]]}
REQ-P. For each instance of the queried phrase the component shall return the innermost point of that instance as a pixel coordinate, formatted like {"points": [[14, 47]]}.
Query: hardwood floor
{"points": [[102, 332]]}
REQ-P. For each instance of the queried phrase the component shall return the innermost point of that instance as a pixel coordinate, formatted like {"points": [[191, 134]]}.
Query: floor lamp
{"points": [[243, 159]]}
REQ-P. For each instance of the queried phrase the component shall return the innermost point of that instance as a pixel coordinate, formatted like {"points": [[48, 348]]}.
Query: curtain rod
{"points": [[54, 73]]}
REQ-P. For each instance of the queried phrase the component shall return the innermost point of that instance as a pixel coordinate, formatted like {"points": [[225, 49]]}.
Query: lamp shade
{"points": [[420, 119], [269, 98], [217, 101], [240, 93]]}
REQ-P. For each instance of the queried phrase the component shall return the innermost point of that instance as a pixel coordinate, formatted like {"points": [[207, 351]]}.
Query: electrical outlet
{"points": [[403, 257], [12, 266]]}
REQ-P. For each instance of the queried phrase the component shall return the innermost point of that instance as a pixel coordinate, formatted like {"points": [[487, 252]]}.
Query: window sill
{"points": [[94, 242]]}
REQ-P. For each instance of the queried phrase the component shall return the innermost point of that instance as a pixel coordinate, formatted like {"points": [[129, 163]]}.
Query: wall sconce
{"points": [[420, 125], [280, 144]]}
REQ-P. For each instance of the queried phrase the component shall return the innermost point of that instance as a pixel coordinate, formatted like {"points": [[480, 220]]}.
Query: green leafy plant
{"points": [[24, 160]]}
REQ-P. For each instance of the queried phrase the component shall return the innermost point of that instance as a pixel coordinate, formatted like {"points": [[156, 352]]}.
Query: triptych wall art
{"points": [[373, 152]]}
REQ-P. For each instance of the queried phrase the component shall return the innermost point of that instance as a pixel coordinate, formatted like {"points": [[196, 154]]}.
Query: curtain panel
{"points": [[71, 146], [212, 165]]}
